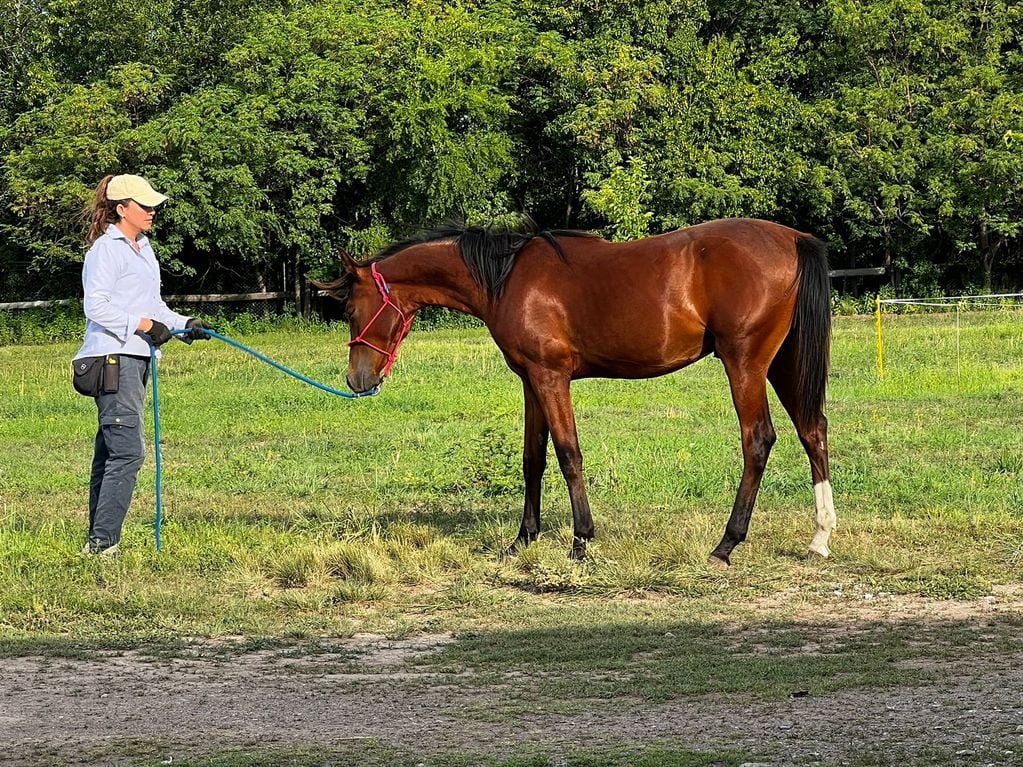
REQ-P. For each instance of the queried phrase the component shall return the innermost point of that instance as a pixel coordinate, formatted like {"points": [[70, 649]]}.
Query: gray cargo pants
{"points": [[119, 452]]}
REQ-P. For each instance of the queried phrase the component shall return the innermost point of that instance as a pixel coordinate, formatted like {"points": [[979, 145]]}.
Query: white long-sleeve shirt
{"points": [[121, 287]]}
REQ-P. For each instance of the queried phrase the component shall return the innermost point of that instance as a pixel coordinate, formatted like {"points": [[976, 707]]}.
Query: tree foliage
{"points": [[284, 131]]}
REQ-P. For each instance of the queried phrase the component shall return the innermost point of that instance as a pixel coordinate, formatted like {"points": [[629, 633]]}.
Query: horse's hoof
{"points": [[578, 552], [821, 552], [717, 563], [513, 549]]}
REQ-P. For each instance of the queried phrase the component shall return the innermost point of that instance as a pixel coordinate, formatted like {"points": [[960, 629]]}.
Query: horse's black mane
{"points": [[488, 251]]}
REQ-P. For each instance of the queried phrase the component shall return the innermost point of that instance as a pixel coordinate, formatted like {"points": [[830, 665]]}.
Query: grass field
{"points": [[291, 515], [290, 512]]}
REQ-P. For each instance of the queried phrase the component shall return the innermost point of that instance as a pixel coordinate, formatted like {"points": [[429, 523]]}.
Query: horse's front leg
{"points": [[534, 462], [553, 393]]}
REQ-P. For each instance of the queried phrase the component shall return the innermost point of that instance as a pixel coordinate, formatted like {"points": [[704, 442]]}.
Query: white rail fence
{"points": [[202, 298], [958, 303]]}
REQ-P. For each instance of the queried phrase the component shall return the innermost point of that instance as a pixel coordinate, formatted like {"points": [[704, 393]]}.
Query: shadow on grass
{"points": [[371, 754], [662, 660], [580, 653], [447, 521]]}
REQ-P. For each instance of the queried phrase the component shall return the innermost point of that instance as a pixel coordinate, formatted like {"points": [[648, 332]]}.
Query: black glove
{"points": [[197, 327], [157, 335]]}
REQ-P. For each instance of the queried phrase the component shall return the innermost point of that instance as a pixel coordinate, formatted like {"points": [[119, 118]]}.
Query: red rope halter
{"points": [[385, 294]]}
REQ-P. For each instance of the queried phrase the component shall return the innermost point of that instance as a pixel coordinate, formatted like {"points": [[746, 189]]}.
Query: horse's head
{"points": [[377, 324]]}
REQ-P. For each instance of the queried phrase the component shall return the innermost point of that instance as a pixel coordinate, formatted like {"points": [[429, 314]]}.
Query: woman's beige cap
{"points": [[136, 188]]}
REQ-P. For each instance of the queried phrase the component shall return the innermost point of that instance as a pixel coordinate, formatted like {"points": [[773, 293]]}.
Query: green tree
{"points": [[592, 75], [26, 78], [873, 118], [330, 123], [724, 142], [59, 147], [284, 130], [975, 175]]}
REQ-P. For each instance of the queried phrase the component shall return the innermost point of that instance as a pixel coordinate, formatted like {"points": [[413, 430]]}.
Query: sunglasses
{"points": [[146, 208]]}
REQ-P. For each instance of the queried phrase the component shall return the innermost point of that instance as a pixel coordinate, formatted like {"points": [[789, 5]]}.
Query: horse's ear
{"points": [[349, 263], [341, 287]]}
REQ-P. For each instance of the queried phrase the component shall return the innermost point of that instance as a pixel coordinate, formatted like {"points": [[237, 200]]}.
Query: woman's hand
{"points": [[157, 333], [198, 328]]}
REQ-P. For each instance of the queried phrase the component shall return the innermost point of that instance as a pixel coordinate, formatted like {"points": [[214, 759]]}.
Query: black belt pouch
{"points": [[94, 376], [87, 375]]}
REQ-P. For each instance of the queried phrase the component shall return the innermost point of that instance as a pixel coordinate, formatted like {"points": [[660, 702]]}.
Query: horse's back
{"points": [[714, 243], [717, 264], [743, 230], [649, 306]]}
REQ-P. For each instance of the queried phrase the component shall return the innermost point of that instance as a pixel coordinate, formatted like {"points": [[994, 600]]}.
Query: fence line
{"points": [[203, 298], [943, 301], [36, 304]]}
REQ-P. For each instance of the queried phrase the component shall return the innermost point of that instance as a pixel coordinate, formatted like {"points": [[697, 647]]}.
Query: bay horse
{"points": [[564, 305]]}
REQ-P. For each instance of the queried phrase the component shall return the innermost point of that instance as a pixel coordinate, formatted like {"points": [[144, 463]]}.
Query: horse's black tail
{"points": [[812, 327]]}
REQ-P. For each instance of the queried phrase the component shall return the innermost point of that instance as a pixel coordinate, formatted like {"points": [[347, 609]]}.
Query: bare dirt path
{"points": [[70, 711]]}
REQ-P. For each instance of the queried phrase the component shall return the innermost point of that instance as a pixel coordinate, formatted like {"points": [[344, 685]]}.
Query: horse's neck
{"points": [[434, 274]]}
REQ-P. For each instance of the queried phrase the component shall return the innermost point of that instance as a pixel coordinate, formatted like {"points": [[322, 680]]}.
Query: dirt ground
{"points": [[70, 711]]}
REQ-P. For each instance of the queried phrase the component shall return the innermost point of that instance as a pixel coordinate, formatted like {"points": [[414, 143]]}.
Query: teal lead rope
{"points": [[156, 408], [156, 445]]}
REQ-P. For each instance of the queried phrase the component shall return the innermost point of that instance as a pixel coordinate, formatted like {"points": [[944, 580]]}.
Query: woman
{"points": [[125, 316]]}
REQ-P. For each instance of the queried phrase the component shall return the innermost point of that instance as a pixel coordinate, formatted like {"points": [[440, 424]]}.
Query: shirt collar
{"points": [[117, 234]]}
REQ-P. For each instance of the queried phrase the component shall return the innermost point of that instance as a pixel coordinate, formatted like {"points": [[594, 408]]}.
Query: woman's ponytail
{"points": [[101, 213]]}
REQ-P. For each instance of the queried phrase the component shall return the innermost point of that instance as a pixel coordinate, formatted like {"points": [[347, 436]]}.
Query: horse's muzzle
{"points": [[363, 383]]}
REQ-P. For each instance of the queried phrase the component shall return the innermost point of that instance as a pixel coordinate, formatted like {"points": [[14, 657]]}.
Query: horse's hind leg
{"points": [[813, 433], [534, 462], [749, 394]]}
